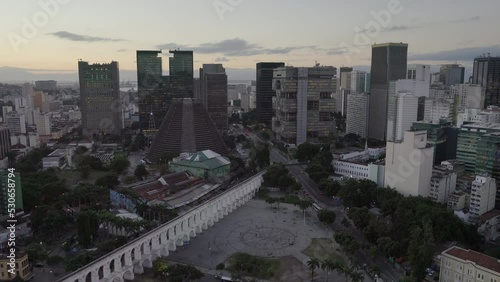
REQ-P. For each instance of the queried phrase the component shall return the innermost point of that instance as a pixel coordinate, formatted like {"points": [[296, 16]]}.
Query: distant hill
{"points": [[20, 75]]}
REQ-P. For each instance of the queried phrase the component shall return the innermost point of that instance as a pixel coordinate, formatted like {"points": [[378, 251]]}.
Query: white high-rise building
{"points": [[16, 122], [42, 122], [482, 197], [358, 82], [469, 95], [421, 75], [28, 95], [5, 111], [408, 164], [437, 109], [443, 183], [401, 112], [357, 114]]}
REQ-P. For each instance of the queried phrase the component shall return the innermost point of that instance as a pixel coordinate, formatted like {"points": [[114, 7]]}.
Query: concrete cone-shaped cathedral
{"points": [[187, 128]]}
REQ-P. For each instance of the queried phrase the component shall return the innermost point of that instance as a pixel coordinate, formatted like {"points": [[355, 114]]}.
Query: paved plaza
{"points": [[258, 229]]}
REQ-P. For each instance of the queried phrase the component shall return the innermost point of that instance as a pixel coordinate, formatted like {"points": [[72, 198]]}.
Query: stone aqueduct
{"points": [[121, 264]]}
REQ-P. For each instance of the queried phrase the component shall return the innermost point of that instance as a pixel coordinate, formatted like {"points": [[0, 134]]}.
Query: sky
{"points": [[49, 36]]}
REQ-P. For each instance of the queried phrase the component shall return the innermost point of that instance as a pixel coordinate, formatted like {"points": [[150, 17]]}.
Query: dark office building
{"points": [[389, 63], [442, 136], [264, 91], [451, 74], [100, 98], [181, 74], [213, 92], [487, 74], [187, 128], [152, 90], [4, 142]]}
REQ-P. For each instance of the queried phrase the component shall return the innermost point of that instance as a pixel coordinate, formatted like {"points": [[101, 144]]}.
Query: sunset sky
{"points": [[240, 33]]}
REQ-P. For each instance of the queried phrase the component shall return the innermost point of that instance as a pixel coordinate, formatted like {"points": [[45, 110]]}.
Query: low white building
{"points": [[351, 169], [60, 158]]}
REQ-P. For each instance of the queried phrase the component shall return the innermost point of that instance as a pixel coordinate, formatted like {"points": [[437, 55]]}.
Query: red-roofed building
{"points": [[150, 190], [459, 264]]}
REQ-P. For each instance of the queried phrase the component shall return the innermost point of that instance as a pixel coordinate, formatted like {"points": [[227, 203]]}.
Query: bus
{"points": [[225, 278], [316, 207]]}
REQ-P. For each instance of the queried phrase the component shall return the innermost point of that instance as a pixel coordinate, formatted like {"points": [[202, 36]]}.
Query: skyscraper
{"points": [[213, 88], [451, 74], [265, 92], [181, 74], [389, 62], [4, 142], [304, 104], [100, 98], [152, 90], [487, 74], [343, 89]]}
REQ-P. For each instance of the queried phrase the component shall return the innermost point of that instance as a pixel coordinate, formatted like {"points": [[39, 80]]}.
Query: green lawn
{"points": [[118, 155], [256, 267], [73, 176], [321, 249]]}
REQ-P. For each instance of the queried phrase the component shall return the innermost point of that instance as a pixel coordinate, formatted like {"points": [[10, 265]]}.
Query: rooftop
{"points": [[482, 125], [489, 215], [58, 153], [480, 259], [206, 159]]}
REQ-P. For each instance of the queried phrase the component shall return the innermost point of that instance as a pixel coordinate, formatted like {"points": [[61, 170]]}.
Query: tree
{"points": [[328, 265], [85, 225], [326, 216], [421, 250], [304, 205], [219, 267], [119, 165], [306, 152], [129, 179], [160, 268], [265, 135], [270, 200], [80, 150], [36, 252], [107, 181], [167, 157], [93, 162], [85, 171], [141, 172], [241, 138], [313, 264]]}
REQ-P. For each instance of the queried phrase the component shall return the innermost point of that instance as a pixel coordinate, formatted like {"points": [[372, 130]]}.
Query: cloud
{"points": [[232, 47], [461, 54], [430, 24], [221, 59], [85, 38]]}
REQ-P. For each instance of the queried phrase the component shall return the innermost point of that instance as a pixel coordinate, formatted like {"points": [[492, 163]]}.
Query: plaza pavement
{"points": [[259, 230]]}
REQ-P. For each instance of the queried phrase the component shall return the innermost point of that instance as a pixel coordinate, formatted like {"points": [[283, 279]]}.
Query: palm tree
{"points": [[356, 276], [313, 264], [327, 265]]}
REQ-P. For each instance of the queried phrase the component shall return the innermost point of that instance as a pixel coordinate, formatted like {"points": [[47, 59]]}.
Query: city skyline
{"points": [[242, 33]]}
